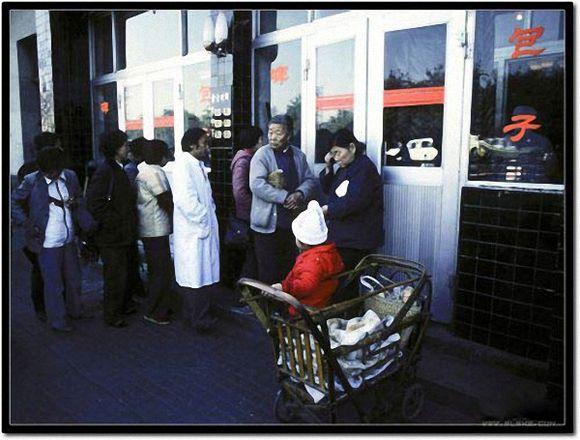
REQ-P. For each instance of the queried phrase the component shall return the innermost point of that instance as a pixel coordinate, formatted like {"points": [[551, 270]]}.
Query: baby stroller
{"points": [[318, 376]]}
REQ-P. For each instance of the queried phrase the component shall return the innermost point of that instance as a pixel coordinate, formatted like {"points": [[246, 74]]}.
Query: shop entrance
{"points": [[396, 80]]}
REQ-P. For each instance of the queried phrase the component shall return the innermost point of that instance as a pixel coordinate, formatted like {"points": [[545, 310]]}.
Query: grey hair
{"points": [[284, 120]]}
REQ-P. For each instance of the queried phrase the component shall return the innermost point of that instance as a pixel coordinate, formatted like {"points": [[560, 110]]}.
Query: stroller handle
{"points": [[269, 292]]}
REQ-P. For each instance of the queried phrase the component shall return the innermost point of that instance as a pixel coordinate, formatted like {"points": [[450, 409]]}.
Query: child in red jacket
{"points": [[310, 280]]}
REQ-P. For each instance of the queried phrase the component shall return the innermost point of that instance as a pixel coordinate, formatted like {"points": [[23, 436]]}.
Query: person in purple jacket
{"points": [[249, 141]]}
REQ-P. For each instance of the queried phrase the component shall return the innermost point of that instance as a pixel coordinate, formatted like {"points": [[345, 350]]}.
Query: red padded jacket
{"points": [[310, 278]]}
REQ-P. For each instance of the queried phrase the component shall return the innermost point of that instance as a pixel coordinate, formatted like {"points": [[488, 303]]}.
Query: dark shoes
{"points": [[130, 310], [243, 311], [62, 328], [119, 323], [159, 320], [41, 316], [206, 327]]}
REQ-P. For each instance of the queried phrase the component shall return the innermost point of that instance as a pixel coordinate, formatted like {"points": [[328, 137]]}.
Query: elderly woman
{"points": [[355, 201]]}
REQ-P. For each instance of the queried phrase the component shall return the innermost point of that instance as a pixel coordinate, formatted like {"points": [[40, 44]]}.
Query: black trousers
{"points": [[275, 254], [250, 267], [36, 283], [350, 258], [199, 305], [119, 275], [136, 284], [160, 271]]}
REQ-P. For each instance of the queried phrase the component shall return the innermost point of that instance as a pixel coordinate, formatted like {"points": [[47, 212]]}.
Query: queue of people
{"points": [[166, 201]]}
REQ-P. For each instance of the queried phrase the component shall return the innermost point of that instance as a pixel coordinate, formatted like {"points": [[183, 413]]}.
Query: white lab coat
{"points": [[195, 226]]}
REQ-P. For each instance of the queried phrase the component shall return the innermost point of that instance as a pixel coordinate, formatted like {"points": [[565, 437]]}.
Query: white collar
{"points": [[62, 177], [119, 163]]}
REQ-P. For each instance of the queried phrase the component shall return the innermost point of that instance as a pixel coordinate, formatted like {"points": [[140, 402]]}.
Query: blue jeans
{"points": [[61, 271]]}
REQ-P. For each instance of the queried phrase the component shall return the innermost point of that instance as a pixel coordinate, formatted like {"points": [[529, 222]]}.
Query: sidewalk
{"points": [[170, 375]]}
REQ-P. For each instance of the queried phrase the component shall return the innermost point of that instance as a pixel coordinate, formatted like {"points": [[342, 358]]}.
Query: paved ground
{"points": [[169, 375]]}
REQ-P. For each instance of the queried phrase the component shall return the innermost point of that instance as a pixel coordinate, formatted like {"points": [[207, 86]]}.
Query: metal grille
{"points": [[510, 269]]}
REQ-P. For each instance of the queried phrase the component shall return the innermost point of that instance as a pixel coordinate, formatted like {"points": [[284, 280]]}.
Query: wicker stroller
{"points": [[308, 367]]}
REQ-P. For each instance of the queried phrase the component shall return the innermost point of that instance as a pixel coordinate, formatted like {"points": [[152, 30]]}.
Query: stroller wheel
{"points": [[284, 410], [413, 401]]}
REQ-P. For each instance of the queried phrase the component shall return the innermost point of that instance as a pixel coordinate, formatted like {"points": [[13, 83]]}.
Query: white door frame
{"points": [[350, 28], [448, 175]]}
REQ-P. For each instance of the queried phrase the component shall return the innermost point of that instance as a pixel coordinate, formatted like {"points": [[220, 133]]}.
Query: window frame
{"points": [[468, 105]]}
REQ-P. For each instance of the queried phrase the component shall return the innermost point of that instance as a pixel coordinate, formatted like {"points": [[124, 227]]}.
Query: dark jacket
{"points": [[30, 207], [241, 183], [117, 217], [356, 219]]}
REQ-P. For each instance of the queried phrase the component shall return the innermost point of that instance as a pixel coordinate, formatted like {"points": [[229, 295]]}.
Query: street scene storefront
{"points": [[461, 112]]}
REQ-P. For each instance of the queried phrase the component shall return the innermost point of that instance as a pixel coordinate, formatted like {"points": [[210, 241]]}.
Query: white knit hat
{"points": [[309, 227]]}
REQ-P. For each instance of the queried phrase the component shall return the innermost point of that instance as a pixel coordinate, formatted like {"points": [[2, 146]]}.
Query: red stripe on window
{"points": [[391, 98], [135, 124], [415, 96], [335, 102], [163, 121]]}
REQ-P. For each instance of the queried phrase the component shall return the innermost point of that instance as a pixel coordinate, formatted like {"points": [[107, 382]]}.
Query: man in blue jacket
{"points": [[47, 204], [274, 206]]}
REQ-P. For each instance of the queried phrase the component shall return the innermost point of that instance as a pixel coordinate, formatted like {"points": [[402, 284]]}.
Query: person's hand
{"points": [[277, 286], [329, 159], [294, 200], [325, 209]]}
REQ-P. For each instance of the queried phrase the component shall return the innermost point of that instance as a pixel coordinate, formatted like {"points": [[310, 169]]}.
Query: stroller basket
{"points": [[302, 343]]}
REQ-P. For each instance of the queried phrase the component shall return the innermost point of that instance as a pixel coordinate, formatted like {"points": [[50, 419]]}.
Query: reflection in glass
{"points": [[195, 21], [152, 36], [504, 25], [197, 95], [134, 111], [103, 44], [517, 128], [163, 123], [334, 93], [278, 84], [328, 12], [414, 88], [105, 109], [271, 21]]}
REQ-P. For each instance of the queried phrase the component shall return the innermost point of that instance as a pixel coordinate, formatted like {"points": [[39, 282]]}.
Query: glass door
{"points": [[149, 104], [334, 86], [416, 67]]}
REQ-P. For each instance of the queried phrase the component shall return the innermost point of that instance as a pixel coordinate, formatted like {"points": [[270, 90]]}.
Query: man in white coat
{"points": [[195, 231]]}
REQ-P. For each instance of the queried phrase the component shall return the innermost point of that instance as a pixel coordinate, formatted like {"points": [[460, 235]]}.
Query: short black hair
{"points": [[248, 136], [285, 120], [111, 142], [154, 151], [136, 147], [191, 137], [45, 139], [343, 138], [50, 159]]}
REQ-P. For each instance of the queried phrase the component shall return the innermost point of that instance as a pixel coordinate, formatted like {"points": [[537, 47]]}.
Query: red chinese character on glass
{"points": [[104, 107], [279, 74], [522, 123], [204, 94], [526, 38]]}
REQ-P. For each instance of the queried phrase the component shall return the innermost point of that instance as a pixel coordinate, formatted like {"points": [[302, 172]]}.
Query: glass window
{"points": [[148, 36], [103, 44], [195, 22], [414, 88], [197, 95], [334, 93], [517, 128], [271, 21], [328, 12], [504, 25], [278, 84], [105, 109], [163, 122], [134, 111], [552, 22]]}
